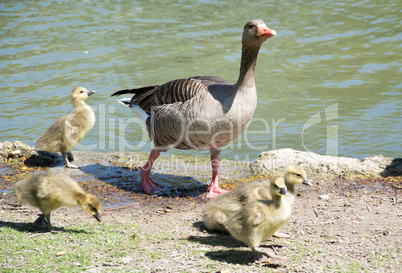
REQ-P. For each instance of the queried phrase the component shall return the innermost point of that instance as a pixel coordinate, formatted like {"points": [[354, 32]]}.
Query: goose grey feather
{"points": [[199, 105], [201, 112]]}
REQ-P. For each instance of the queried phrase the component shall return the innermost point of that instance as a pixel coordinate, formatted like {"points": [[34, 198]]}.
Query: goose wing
{"points": [[179, 90]]}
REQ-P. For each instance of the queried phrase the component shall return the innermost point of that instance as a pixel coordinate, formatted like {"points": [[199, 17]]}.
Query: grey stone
{"points": [[272, 162], [324, 197]]}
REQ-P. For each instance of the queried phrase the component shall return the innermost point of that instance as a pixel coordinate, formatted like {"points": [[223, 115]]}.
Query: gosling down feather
{"points": [[258, 220], [68, 131], [202, 112], [49, 191], [218, 210]]}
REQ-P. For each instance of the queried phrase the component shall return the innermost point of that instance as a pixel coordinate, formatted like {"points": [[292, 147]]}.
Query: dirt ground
{"points": [[336, 226]]}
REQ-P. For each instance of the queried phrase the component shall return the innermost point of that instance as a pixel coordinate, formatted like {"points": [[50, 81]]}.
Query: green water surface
{"points": [[328, 82]]}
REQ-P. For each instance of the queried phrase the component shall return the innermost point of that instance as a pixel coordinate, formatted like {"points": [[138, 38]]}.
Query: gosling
{"points": [[258, 220], [294, 175], [68, 131], [49, 191], [218, 210], [226, 205]]}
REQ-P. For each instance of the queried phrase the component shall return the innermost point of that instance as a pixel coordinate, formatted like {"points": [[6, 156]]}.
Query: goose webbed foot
{"points": [[66, 157], [72, 166], [149, 186], [42, 223], [271, 255], [214, 191], [281, 235]]}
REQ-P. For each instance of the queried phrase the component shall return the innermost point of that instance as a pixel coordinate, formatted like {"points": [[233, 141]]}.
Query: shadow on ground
{"points": [[129, 180], [393, 169], [27, 227], [240, 257]]}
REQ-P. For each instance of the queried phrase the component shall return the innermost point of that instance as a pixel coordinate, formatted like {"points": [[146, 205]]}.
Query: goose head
{"points": [[81, 93], [256, 32], [93, 206], [278, 186], [296, 175]]}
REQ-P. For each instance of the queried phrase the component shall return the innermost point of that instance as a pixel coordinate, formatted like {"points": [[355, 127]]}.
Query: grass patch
{"points": [[75, 248]]}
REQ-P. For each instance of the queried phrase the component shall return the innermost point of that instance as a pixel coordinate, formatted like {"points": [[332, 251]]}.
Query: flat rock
{"points": [[324, 197], [272, 162], [268, 163]]}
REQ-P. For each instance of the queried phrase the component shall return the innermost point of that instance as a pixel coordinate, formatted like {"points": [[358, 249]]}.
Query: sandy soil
{"points": [[356, 227]]}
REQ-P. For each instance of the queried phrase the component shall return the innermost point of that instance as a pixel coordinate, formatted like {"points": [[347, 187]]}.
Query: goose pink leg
{"points": [[213, 189], [149, 186]]}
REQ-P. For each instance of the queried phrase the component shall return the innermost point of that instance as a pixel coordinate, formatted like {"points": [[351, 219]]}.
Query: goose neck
{"points": [[277, 200], [291, 189], [78, 104], [247, 66]]}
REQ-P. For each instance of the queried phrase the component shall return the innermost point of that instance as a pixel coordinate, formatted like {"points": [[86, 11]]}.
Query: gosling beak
{"points": [[307, 182], [98, 217], [90, 92], [283, 191]]}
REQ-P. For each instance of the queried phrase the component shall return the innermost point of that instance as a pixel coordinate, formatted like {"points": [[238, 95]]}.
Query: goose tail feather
{"points": [[125, 101], [138, 111], [135, 90]]}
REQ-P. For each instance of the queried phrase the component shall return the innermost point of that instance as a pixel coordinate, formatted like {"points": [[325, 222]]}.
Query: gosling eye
{"points": [[298, 175], [81, 91]]}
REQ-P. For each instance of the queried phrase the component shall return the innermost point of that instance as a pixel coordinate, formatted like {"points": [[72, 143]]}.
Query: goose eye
{"points": [[250, 26]]}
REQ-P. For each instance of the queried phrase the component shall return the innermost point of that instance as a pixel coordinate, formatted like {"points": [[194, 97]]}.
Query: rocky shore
{"points": [[348, 220], [326, 166], [267, 164]]}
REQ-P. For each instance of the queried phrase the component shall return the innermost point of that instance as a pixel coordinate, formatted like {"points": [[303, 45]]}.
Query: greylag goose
{"points": [[217, 211], [49, 191], [68, 131], [258, 220], [202, 112]]}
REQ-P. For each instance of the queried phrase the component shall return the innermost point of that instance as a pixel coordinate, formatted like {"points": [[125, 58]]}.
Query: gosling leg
{"points": [[70, 156], [47, 219], [40, 223], [68, 164]]}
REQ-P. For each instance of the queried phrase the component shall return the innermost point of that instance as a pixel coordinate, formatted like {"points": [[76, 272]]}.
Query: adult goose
{"points": [[201, 112]]}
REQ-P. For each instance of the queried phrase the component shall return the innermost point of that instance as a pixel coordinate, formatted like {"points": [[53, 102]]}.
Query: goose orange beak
{"points": [[265, 32]]}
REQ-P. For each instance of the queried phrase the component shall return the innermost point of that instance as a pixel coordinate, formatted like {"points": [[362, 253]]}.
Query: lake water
{"points": [[329, 82]]}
